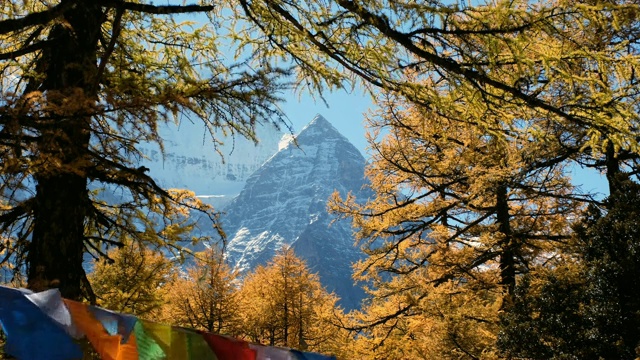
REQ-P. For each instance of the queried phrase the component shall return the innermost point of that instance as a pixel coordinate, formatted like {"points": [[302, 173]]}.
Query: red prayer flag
{"points": [[228, 348]]}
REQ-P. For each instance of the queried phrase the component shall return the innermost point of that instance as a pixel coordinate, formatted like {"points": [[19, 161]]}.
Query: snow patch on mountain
{"points": [[285, 141]]}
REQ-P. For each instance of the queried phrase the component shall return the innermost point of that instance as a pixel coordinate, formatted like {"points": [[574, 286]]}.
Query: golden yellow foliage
{"points": [[458, 214], [204, 297], [135, 281], [284, 304]]}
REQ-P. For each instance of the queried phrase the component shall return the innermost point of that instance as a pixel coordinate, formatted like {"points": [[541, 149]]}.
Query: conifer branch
{"points": [[158, 10], [25, 50], [37, 18], [473, 75]]}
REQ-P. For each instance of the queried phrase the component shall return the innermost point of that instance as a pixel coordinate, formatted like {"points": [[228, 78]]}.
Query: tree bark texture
{"points": [[507, 256], [69, 85]]}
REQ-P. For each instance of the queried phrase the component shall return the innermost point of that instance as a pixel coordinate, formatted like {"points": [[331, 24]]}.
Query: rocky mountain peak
{"points": [[320, 127], [285, 202]]}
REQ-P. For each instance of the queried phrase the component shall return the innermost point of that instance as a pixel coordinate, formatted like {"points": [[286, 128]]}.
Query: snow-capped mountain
{"points": [[192, 161], [285, 202]]}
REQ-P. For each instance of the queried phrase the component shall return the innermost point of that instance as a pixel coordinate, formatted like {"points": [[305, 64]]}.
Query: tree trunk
{"points": [[56, 252], [507, 256], [302, 344], [285, 324], [613, 169], [69, 66]]}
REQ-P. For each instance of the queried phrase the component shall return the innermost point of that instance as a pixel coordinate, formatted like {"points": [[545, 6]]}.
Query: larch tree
{"points": [[205, 296], [133, 280], [83, 84], [457, 216], [284, 304]]}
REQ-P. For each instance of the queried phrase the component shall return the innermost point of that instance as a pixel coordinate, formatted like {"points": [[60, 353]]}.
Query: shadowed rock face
{"points": [[285, 201]]}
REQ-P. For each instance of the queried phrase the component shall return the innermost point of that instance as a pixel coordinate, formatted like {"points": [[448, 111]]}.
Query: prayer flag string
{"points": [[46, 326]]}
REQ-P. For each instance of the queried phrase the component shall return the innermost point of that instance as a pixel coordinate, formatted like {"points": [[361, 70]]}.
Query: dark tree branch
{"points": [[452, 66], [37, 18], [115, 33], [112, 172], [43, 17], [311, 37], [460, 32], [25, 50], [155, 9], [9, 217]]}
